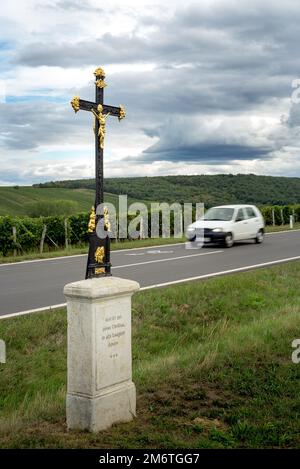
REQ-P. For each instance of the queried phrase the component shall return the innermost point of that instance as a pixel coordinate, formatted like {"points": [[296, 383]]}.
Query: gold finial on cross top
{"points": [[100, 75]]}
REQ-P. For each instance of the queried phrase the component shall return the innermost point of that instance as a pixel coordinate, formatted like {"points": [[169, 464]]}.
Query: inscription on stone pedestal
{"points": [[112, 331], [114, 349]]}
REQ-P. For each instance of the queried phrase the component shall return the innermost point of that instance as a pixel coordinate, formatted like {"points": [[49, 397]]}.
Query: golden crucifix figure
{"points": [[102, 121]]}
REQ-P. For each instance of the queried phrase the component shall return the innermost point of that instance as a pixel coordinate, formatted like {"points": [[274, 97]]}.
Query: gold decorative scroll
{"points": [[100, 83], [99, 73], [75, 103], [106, 219], [122, 113], [100, 270], [99, 256], [92, 221]]}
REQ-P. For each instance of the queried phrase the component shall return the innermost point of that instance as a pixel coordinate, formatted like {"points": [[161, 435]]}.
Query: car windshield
{"points": [[219, 213]]}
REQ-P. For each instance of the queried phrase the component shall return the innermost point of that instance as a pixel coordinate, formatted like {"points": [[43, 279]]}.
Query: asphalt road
{"points": [[31, 285]]}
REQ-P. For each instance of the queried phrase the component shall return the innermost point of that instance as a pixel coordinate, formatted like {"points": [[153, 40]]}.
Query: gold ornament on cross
{"points": [[106, 219], [92, 221], [122, 113], [99, 256], [75, 103]]}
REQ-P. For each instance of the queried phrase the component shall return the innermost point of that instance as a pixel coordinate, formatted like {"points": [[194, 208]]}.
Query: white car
{"points": [[228, 223]]}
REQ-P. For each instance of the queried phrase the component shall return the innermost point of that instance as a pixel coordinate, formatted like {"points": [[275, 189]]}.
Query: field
{"points": [[211, 360], [209, 189], [14, 201]]}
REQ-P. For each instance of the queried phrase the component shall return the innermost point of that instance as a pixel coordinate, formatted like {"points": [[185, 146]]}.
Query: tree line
{"points": [[208, 189]]}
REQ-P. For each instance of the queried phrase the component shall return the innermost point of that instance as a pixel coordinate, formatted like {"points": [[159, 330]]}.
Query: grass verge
{"points": [[211, 360]]}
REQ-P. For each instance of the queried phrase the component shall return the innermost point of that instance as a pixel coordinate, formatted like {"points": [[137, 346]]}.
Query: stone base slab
{"points": [[115, 404]]}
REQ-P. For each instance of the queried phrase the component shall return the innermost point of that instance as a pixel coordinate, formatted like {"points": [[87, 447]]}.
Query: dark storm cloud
{"points": [[212, 153], [72, 5], [77, 5], [31, 125], [105, 49], [230, 64], [28, 126], [191, 90], [237, 35], [294, 116], [203, 144]]}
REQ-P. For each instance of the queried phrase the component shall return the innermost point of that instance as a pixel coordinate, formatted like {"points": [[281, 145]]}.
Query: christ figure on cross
{"points": [[102, 122]]}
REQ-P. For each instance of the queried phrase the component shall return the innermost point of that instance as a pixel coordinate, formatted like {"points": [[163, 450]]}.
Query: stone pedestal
{"points": [[100, 388]]}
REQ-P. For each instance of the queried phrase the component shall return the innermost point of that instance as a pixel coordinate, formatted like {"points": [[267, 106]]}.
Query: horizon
{"points": [[149, 177]]}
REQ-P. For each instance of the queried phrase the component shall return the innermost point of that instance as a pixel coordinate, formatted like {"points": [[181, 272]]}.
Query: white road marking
{"points": [[117, 251], [36, 310], [174, 282], [216, 274], [165, 260], [135, 254], [159, 251], [283, 231], [8, 264]]}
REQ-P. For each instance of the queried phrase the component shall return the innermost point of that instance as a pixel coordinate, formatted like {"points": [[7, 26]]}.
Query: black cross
{"points": [[99, 250]]}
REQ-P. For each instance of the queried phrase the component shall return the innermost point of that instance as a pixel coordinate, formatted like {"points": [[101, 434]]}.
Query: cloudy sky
{"points": [[208, 86]]}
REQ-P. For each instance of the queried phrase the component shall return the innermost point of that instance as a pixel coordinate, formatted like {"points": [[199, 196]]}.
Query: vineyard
{"points": [[19, 235]]}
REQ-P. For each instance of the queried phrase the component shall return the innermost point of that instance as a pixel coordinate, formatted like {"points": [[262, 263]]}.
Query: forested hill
{"points": [[210, 189]]}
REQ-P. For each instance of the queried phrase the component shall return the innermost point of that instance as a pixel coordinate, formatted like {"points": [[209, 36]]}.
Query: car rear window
{"points": [[250, 212]]}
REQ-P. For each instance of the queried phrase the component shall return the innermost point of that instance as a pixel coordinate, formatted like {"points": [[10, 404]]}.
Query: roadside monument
{"points": [[100, 390], [99, 251]]}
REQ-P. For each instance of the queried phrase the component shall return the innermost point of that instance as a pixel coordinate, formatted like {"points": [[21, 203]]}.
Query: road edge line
{"points": [[159, 285]]}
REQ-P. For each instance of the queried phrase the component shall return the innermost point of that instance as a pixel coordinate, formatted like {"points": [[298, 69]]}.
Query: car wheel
{"points": [[190, 239], [259, 237], [228, 241]]}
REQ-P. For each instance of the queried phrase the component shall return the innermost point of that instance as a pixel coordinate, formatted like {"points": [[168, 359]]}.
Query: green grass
{"points": [[270, 229], [13, 201], [211, 362]]}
